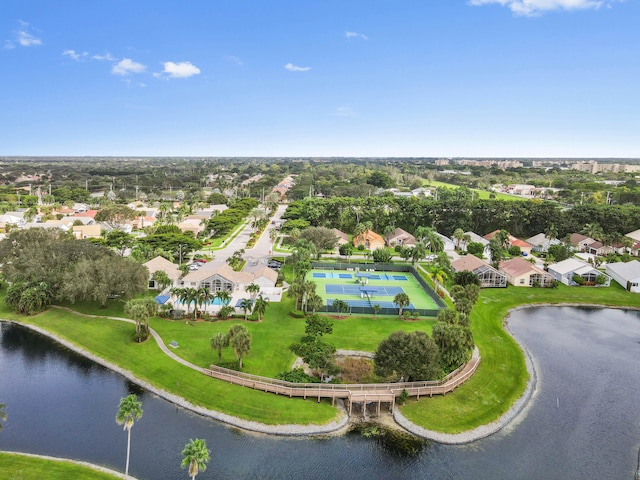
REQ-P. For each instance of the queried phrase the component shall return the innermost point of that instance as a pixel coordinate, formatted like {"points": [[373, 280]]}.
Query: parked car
{"points": [[200, 260], [274, 264]]}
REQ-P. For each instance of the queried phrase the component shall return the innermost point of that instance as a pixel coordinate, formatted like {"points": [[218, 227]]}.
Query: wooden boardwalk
{"points": [[354, 393]]}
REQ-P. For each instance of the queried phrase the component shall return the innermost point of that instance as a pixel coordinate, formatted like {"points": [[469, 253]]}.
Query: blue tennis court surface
{"points": [[378, 276], [332, 275], [366, 303], [378, 290]]}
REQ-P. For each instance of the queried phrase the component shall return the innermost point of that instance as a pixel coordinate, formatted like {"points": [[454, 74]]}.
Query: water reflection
{"points": [[583, 423]]}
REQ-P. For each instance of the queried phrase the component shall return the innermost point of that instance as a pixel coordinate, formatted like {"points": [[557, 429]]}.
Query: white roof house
{"points": [[635, 235], [626, 274], [541, 243], [565, 270]]}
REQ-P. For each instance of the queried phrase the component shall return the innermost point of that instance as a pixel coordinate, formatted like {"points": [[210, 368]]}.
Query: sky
{"points": [[302, 78]]}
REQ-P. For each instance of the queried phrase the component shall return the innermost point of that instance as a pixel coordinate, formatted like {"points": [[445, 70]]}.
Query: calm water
{"points": [[584, 421]]}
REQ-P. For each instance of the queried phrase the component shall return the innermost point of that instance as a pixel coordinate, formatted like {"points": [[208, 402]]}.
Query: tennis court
{"points": [[367, 288]]}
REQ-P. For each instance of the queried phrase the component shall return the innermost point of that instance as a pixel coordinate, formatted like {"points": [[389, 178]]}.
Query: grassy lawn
{"points": [[499, 381], [111, 340], [502, 375], [481, 194], [29, 468]]}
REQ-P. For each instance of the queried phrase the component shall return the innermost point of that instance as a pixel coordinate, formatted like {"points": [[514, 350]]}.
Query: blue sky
{"points": [[482, 78]]}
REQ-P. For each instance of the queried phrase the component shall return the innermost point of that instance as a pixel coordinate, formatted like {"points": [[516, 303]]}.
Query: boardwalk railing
{"points": [[350, 391]]}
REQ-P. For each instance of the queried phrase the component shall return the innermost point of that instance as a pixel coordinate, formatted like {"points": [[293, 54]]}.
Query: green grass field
{"points": [[419, 298], [23, 467]]}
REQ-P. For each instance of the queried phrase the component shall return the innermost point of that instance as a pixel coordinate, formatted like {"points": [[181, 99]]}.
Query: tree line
{"points": [[522, 219]]}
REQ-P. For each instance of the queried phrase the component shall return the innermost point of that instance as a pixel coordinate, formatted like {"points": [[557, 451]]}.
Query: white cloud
{"points": [[23, 37], [355, 35], [294, 68], [235, 60], [180, 69], [75, 55], [127, 66], [107, 56], [536, 7]]}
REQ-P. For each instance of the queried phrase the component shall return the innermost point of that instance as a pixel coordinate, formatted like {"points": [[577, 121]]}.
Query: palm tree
{"points": [[253, 289], [240, 340], [260, 306], [593, 230], [219, 342], [341, 306], [315, 302], [273, 234], [203, 296], [225, 297], [3, 414], [308, 290], [296, 290], [458, 236], [246, 305], [161, 278], [439, 276], [195, 456], [551, 233], [401, 300], [129, 410]]}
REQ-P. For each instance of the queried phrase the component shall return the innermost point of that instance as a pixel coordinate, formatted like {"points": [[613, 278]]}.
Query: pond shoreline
{"points": [[341, 424]]}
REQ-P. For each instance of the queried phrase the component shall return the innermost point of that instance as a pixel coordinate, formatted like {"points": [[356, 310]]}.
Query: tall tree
{"points": [[253, 289], [115, 216], [401, 300], [195, 456], [240, 341], [246, 305], [408, 356], [129, 410], [260, 306], [140, 310], [218, 342]]}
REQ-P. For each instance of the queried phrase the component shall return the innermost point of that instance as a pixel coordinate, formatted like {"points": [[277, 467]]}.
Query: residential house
{"points": [[580, 242], [521, 273], [220, 277], [626, 274], [343, 238], [162, 264], [449, 245], [369, 239], [401, 238], [541, 242], [635, 235], [525, 247], [565, 271], [489, 276], [475, 238], [86, 231]]}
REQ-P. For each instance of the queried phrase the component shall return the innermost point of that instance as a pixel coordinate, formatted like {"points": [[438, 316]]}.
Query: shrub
{"points": [[515, 251], [297, 375], [225, 312], [356, 370]]}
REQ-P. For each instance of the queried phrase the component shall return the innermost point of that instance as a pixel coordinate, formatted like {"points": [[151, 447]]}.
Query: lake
{"points": [[583, 421]]}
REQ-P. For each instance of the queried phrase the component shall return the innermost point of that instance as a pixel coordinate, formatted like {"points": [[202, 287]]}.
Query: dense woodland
{"points": [[480, 216]]}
